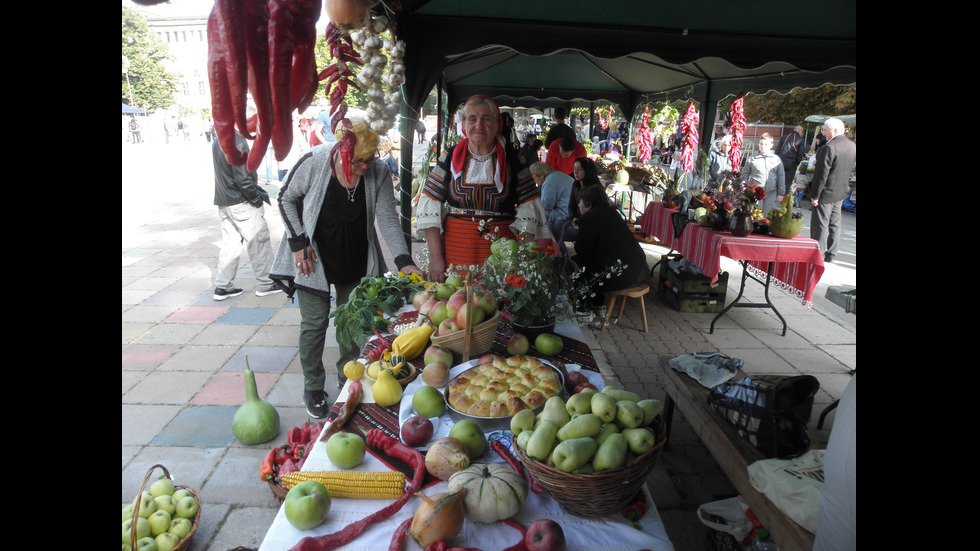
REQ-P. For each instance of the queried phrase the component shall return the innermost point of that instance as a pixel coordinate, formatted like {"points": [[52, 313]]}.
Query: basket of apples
{"points": [[470, 311], [163, 514]]}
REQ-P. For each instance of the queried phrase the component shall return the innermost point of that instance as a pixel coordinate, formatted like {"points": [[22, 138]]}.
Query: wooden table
{"points": [[732, 452]]}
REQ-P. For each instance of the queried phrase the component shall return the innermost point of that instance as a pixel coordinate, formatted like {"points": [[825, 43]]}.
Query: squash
{"points": [[494, 491]]}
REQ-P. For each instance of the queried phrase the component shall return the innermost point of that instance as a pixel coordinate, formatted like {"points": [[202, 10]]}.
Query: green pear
{"points": [[604, 431], [554, 411], [541, 441], [640, 440], [522, 439], [585, 425], [604, 406], [611, 453], [522, 421], [629, 414], [584, 469], [579, 403], [651, 409], [572, 454], [619, 394]]}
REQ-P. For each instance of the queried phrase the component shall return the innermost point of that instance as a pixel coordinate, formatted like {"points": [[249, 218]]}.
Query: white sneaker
{"points": [[272, 291]]}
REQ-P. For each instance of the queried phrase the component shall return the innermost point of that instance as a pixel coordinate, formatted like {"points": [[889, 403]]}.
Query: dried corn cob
{"points": [[351, 484]]}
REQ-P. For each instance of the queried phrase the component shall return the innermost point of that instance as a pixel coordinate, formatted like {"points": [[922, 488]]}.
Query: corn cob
{"points": [[352, 484]]}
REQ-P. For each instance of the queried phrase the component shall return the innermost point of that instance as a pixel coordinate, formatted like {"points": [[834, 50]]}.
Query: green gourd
{"points": [[256, 421]]}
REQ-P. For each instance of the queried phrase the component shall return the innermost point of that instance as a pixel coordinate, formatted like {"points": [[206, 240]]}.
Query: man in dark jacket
{"points": [[559, 130], [831, 183], [239, 199], [791, 151]]}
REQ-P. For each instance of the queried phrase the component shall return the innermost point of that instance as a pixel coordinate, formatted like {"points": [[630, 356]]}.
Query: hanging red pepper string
{"points": [[644, 138], [689, 128], [736, 130]]}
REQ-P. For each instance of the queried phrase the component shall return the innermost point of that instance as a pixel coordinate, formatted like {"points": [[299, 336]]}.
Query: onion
{"points": [[439, 518], [346, 14], [446, 456]]}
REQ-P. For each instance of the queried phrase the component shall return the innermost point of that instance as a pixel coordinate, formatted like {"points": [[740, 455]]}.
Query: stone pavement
{"points": [[183, 356]]}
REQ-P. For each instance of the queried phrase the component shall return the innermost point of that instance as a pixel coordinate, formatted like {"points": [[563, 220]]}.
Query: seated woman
{"points": [[603, 238], [586, 175]]}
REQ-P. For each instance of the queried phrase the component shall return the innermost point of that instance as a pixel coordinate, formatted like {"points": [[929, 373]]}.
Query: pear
{"points": [[611, 453], [629, 414], [542, 439], [579, 403], [554, 411], [585, 425], [604, 406], [651, 409], [619, 394], [604, 431], [522, 421], [572, 454]]}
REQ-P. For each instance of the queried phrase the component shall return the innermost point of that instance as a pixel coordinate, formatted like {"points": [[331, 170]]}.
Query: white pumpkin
{"points": [[494, 491]]}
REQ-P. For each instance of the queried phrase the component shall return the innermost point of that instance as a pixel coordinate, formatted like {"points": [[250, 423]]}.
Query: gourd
{"points": [[493, 491], [413, 341], [622, 177], [386, 390], [256, 421]]}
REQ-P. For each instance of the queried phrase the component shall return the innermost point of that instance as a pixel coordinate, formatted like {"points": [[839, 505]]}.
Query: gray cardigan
{"points": [[300, 200]]}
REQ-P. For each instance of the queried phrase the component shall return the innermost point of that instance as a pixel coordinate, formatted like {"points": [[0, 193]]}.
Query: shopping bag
{"points": [[728, 516], [770, 411], [795, 486]]}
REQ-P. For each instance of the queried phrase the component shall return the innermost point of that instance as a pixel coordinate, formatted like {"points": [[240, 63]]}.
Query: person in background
{"points": [[556, 190], [791, 151], [485, 187], [766, 170], [524, 129], [301, 144], [585, 174], [242, 219], [603, 238], [321, 129], [510, 135], [559, 130], [719, 159], [385, 153], [331, 239], [420, 129], [528, 153], [135, 129], [562, 154], [831, 184], [615, 138]]}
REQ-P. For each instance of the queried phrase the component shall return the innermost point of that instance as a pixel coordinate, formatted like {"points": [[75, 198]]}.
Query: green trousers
{"points": [[314, 319]]}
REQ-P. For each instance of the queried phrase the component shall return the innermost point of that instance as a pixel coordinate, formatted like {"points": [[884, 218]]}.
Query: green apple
{"points": [[146, 544], [438, 312], [604, 431], [147, 504], [307, 504], [629, 414], [455, 281], [572, 454], [485, 300], [580, 403], [159, 522], [521, 421], [604, 406], [180, 494], [142, 529], [166, 541], [162, 486], [548, 344], [127, 512], [619, 394], [522, 439], [640, 440], [429, 402], [166, 503], [518, 345], [586, 425], [651, 409], [346, 450], [611, 453], [542, 440], [471, 435], [445, 290], [187, 507], [181, 527], [554, 410]]}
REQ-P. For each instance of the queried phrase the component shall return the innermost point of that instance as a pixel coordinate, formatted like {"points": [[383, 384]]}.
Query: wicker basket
{"points": [[480, 341], [601, 493], [185, 541]]}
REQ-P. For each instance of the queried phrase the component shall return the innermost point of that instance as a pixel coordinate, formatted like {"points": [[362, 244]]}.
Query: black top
{"points": [[557, 132], [341, 234], [604, 237]]}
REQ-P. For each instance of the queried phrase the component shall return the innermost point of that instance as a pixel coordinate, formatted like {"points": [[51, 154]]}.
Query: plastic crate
{"points": [[689, 282], [692, 303]]}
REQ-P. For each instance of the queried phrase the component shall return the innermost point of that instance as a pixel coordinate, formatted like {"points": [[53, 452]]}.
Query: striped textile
{"points": [[463, 242]]}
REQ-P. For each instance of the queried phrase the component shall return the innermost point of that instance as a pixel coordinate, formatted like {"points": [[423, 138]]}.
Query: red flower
{"points": [[509, 279], [760, 194], [518, 282]]}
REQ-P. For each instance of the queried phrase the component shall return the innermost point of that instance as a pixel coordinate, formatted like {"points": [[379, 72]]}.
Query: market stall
{"points": [[580, 531]]}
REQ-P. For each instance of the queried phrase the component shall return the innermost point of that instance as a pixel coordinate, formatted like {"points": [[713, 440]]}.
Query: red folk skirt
{"points": [[465, 244]]}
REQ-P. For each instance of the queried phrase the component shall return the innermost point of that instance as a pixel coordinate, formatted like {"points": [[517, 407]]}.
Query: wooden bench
{"points": [[732, 452], [632, 292]]}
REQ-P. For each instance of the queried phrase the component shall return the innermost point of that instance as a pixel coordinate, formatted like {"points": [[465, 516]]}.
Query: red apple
{"points": [[447, 327], [487, 359], [455, 302], [574, 379], [417, 431], [475, 312], [582, 386], [436, 353], [426, 307], [518, 345], [438, 312], [485, 300], [544, 535]]}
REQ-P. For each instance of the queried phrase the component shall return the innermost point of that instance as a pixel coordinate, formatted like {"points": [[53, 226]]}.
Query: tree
{"points": [[149, 83], [795, 106]]}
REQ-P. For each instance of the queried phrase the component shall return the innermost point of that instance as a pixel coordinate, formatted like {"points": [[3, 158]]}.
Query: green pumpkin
{"points": [[256, 421]]}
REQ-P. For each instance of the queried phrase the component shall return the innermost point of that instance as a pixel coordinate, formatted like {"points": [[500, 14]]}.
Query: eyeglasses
{"points": [[364, 162]]}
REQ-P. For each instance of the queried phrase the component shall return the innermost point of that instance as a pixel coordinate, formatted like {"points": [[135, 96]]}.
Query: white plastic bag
{"points": [[795, 485], [727, 515]]}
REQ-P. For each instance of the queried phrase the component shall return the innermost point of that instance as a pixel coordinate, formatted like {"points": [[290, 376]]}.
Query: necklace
{"points": [[482, 158], [351, 191]]}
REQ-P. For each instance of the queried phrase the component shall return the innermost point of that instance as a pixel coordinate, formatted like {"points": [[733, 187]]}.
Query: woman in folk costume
{"points": [[484, 186]]}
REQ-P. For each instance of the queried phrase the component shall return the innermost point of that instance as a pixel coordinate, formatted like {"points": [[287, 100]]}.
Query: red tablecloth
{"points": [[797, 262]]}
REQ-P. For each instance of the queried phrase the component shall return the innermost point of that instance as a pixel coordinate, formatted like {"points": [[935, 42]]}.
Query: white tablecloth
{"points": [[612, 532]]}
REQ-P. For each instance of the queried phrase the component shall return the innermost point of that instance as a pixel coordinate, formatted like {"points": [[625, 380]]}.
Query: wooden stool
{"points": [[631, 292]]}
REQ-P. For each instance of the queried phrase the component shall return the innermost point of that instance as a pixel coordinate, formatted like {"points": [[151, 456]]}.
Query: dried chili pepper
{"points": [[345, 412], [231, 24], [351, 531], [222, 110], [521, 545], [267, 469], [398, 538], [501, 450], [636, 509], [397, 449], [257, 47]]}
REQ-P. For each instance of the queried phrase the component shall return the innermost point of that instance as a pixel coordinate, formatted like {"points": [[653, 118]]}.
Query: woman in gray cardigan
{"points": [[330, 238]]}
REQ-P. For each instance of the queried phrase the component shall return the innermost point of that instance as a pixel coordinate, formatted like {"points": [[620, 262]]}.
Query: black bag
{"points": [[770, 411]]}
